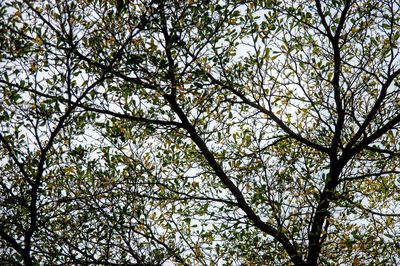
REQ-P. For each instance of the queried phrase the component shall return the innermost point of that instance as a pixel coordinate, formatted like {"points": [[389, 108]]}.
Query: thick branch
{"points": [[11, 241], [315, 238], [241, 202]]}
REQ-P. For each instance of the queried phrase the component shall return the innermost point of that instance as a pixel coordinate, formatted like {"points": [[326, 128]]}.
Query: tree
{"points": [[200, 132]]}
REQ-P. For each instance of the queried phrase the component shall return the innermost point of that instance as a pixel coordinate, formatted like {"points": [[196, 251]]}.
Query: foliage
{"points": [[199, 132]]}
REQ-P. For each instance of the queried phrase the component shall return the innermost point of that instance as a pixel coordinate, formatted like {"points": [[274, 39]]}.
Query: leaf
{"points": [[198, 132], [38, 40]]}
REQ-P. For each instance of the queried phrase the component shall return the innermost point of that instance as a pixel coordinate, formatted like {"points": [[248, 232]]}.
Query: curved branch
{"points": [[15, 159], [269, 113], [241, 202], [361, 177], [365, 142], [358, 205]]}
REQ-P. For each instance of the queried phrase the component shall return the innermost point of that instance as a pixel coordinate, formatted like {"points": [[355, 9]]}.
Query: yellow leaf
{"points": [[389, 221], [356, 261], [330, 74], [33, 67], [38, 40], [397, 102], [197, 250], [248, 187], [69, 170]]}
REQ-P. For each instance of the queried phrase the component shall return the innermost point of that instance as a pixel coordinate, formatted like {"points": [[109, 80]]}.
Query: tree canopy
{"points": [[199, 132]]}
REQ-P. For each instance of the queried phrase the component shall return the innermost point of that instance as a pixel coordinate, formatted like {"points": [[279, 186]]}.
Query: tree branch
{"points": [[263, 110], [278, 235], [374, 110]]}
